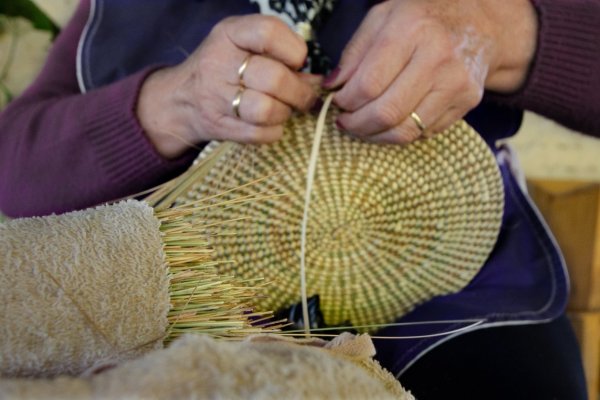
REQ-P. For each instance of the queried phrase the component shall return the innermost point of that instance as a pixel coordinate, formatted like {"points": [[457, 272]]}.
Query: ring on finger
{"points": [[418, 121], [242, 69], [235, 104]]}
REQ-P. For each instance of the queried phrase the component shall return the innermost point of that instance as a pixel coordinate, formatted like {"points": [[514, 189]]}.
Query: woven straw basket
{"points": [[389, 226]]}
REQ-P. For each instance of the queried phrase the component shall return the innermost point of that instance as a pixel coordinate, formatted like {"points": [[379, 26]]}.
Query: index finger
{"points": [[267, 35], [358, 46]]}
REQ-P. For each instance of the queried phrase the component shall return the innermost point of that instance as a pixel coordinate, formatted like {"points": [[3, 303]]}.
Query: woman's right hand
{"points": [[192, 102]]}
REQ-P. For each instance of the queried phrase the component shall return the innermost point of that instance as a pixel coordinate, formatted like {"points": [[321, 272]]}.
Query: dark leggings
{"points": [[531, 362]]}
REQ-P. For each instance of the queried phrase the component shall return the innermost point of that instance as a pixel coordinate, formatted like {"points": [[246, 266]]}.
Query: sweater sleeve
{"points": [[62, 150], [564, 81]]}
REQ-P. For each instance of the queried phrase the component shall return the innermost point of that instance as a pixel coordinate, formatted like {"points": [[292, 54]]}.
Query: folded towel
{"points": [[81, 288], [199, 367]]}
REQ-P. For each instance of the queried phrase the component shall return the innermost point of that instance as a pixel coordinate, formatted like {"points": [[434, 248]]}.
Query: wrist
{"points": [[517, 33], [158, 115]]}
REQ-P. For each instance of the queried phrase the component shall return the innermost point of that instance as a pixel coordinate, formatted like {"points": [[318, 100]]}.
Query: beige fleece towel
{"points": [[81, 288], [199, 367]]}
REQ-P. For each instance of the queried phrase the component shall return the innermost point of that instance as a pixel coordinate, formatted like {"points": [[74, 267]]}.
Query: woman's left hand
{"points": [[432, 59]]}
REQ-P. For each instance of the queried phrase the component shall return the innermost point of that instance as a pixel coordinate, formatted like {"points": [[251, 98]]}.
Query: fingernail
{"points": [[304, 64], [331, 78], [317, 105], [340, 126]]}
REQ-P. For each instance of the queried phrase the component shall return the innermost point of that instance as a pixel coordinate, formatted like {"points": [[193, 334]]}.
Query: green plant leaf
{"points": [[6, 92], [28, 10]]}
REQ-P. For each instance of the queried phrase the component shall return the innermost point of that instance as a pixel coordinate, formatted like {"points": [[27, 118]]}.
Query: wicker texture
{"points": [[389, 226]]}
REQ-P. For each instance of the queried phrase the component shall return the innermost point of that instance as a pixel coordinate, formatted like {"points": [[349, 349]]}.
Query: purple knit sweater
{"points": [[61, 150]]}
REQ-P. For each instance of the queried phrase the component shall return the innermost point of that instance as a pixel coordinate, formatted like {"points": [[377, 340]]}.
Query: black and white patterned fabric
{"points": [[303, 16]]}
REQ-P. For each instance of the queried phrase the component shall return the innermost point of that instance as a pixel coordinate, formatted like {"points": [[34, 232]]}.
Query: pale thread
{"points": [[310, 176], [437, 334]]}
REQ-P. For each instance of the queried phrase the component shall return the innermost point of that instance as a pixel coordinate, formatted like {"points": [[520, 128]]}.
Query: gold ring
{"points": [[415, 117], [235, 104], [242, 69]]}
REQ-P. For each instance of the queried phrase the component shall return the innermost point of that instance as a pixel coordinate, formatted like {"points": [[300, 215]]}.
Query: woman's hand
{"points": [[433, 58], [192, 102]]}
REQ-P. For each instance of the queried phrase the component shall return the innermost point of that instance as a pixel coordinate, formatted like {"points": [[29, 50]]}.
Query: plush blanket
{"points": [[81, 288], [199, 367]]}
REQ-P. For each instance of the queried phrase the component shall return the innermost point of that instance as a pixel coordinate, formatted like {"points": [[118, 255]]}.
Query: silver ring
{"points": [[415, 117], [242, 69], [235, 104]]}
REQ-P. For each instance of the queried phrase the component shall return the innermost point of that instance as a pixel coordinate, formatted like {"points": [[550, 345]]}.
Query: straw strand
{"points": [[310, 176]]}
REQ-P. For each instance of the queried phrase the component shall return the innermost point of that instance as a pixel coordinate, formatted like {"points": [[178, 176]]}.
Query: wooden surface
{"points": [[587, 329], [572, 210]]}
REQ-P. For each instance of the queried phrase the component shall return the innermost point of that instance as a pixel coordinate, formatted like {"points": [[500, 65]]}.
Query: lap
{"points": [[540, 361]]}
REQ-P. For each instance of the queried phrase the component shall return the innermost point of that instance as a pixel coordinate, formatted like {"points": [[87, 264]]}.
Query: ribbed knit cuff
{"points": [[564, 83], [122, 148]]}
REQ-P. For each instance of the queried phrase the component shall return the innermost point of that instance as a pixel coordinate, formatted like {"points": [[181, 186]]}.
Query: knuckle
{"points": [[379, 10], [275, 22], [269, 112], [228, 21], [442, 49], [458, 85], [386, 116], [273, 111], [437, 43], [278, 78], [268, 28], [471, 89], [474, 97], [423, 28], [260, 112], [352, 51], [265, 112], [443, 37], [225, 24], [445, 54], [369, 86]]}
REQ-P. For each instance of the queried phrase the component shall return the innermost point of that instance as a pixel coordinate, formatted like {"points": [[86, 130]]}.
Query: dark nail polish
{"points": [[316, 107], [330, 79], [305, 64]]}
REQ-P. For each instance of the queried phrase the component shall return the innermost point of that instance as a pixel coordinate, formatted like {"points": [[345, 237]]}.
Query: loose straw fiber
{"points": [[389, 226]]}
